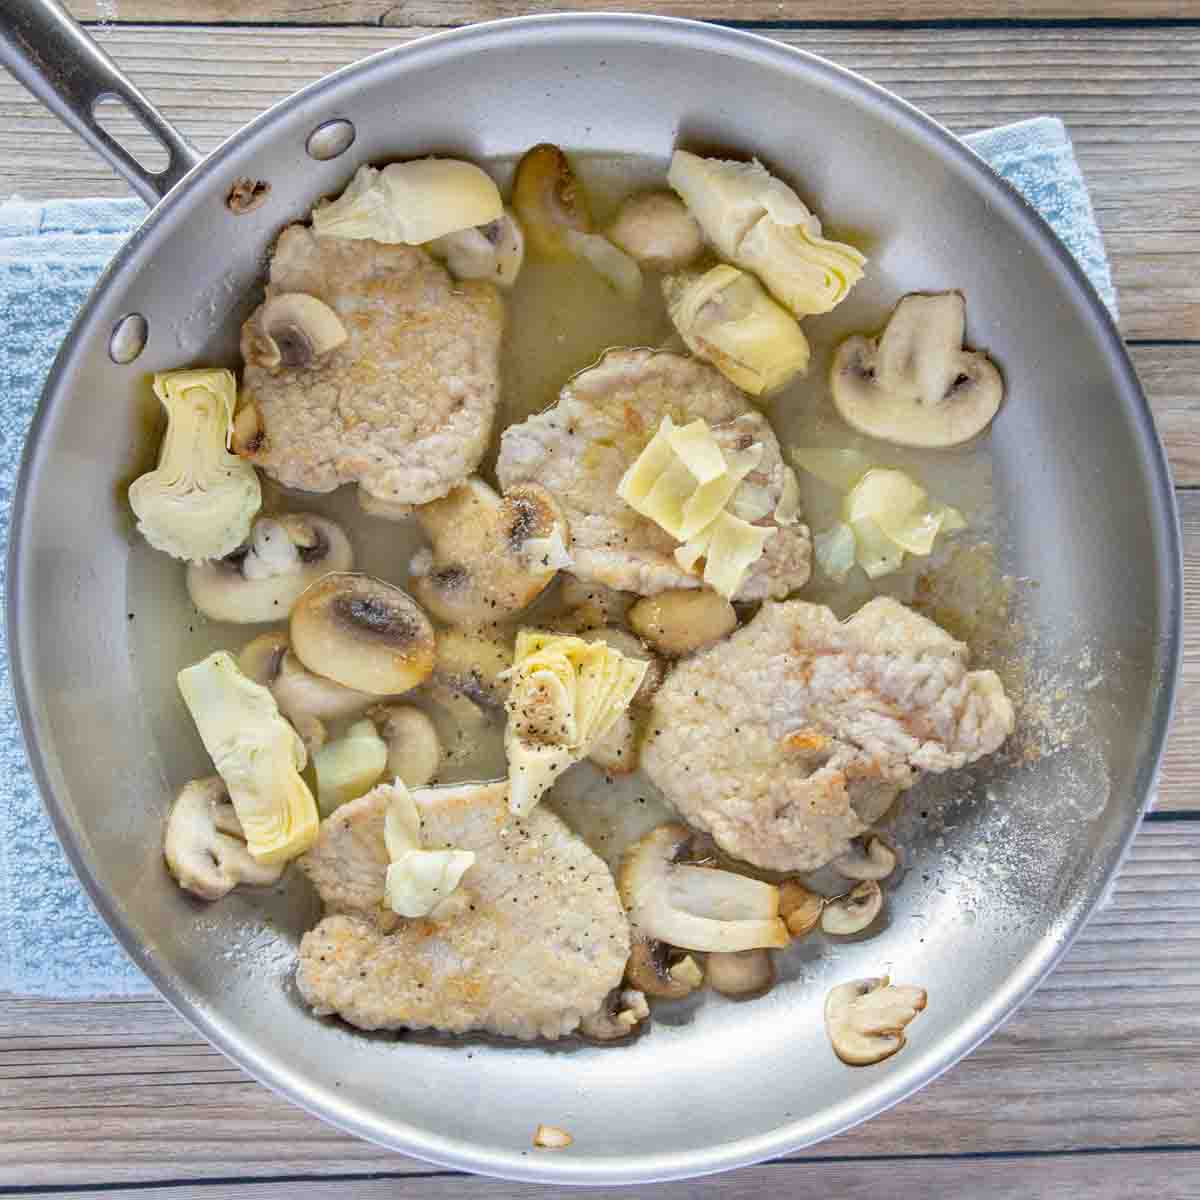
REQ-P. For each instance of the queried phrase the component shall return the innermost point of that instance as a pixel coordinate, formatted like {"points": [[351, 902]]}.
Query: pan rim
{"points": [[1043, 954]]}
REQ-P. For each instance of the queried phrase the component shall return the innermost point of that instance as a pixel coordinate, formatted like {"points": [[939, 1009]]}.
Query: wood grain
{"points": [[1041, 1177], [458, 12], [1170, 377], [1130, 96], [1179, 782], [1102, 1057]]}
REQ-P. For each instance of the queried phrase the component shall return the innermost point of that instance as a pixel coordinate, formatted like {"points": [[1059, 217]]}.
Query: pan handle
{"points": [[56, 60]]}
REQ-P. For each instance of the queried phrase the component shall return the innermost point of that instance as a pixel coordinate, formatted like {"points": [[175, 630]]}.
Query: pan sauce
{"points": [[561, 316]]}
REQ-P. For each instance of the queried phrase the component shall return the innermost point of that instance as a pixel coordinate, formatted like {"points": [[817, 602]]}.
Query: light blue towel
{"points": [[51, 941]]}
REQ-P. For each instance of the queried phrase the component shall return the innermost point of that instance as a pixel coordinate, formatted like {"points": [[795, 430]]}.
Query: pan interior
{"points": [[1002, 864]]}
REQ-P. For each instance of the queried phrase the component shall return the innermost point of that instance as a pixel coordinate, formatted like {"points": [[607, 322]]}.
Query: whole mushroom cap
{"points": [[915, 384]]}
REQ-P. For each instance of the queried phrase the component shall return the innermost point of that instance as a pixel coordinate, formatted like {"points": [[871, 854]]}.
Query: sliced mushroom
{"points": [[694, 907], [312, 732], [491, 557], [660, 971], [474, 665], [656, 229], [494, 251], [624, 1009], [591, 605], [204, 847], [549, 200], [264, 578], [293, 330], [915, 384], [872, 858], [799, 907], [414, 748], [307, 700], [364, 634], [866, 1019], [853, 912], [682, 620], [746, 973]]}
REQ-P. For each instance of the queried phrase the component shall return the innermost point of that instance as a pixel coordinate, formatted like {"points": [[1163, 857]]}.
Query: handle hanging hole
{"points": [[121, 124]]}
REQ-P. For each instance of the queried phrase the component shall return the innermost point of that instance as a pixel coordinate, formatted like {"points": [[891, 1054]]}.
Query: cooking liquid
{"points": [[561, 318]]}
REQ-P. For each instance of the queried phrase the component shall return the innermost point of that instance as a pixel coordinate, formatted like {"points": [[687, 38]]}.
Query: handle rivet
{"points": [[330, 139], [128, 338]]}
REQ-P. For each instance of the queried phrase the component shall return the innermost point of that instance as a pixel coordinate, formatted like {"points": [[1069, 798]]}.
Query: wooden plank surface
{"points": [[458, 12], [1130, 96], [1101, 1058], [1170, 377], [1024, 1177], [1179, 783]]}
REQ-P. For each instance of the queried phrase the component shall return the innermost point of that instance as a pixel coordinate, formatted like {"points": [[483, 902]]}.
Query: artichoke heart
{"points": [[410, 203], [757, 222], [726, 317], [891, 515], [199, 501], [807, 273], [566, 693], [729, 547], [682, 480], [258, 755], [418, 880]]}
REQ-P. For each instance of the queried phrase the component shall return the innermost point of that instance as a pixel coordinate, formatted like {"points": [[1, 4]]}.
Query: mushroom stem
{"points": [[696, 908], [747, 973]]}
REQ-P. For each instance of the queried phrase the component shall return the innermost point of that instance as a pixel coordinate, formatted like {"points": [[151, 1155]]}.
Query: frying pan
{"points": [[1009, 860]]}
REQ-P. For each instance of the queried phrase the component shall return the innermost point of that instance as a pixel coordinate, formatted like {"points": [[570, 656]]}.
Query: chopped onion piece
{"points": [[841, 469], [835, 551]]}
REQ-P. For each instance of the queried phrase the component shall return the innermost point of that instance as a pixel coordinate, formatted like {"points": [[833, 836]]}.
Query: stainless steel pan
{"points": [[992, 898]]}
